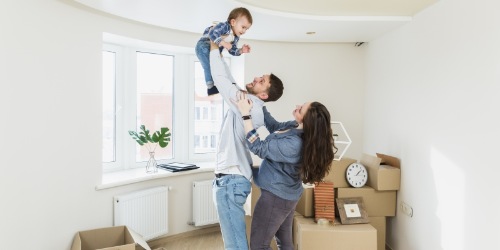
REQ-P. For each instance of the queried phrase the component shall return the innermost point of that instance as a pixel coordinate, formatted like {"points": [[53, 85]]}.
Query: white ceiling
{"points": [[332, 20]]}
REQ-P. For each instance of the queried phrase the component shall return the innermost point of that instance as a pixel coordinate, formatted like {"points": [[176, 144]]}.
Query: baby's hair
{"points": [[237, 12]]}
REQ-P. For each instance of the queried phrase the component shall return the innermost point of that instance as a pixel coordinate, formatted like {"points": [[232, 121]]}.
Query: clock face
{"points": [[356, 175]]}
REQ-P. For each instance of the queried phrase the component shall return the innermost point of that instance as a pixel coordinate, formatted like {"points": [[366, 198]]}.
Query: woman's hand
{"points": [[244, 104]]}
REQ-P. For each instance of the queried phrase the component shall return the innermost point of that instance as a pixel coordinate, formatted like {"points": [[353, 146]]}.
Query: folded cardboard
{"points": [[379, 223], [337, 172], [381, 177], [310, 235], [109, 238], [389, 160], [377, 203], [248, 221], [305, 206]]}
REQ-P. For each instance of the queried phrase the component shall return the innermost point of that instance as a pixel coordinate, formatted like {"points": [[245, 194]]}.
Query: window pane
{"points": [[206, 125], [154, 99], [108, 106]]}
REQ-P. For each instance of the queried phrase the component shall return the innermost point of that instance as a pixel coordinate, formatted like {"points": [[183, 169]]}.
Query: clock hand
{"points": [[358, 172]]}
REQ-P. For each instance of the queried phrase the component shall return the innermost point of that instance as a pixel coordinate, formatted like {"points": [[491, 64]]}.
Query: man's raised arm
{"points": [[222, 77]]}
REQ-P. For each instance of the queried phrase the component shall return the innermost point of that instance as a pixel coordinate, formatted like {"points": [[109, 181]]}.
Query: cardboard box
{"points": [[305, 206], [309, 235], [109, 238], [254, 196], [381, 177], [389, 160], [379, 223], [248, 221], [337, 172], [377, 203]]}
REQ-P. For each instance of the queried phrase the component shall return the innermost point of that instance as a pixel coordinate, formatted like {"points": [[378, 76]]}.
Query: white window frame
{"points": [[182, 139]]}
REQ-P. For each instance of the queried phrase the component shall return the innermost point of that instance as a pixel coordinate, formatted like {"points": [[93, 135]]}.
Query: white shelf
{"points": [[338, 128], [342, 142]]}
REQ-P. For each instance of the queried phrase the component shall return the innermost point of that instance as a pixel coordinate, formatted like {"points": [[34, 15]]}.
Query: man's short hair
{"points": [[275, 91]]}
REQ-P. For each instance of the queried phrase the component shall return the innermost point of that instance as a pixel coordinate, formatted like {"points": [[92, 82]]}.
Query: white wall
{"points": [[50, 103], [332, 74], [432, 99]]}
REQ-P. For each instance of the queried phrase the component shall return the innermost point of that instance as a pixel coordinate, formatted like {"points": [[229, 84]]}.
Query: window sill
{"points": [[126, 177]]}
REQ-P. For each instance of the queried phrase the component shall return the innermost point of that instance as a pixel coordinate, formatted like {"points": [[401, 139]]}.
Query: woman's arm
{"points": [[286, 149], [283, 149], [272, 125], [244, 106]]}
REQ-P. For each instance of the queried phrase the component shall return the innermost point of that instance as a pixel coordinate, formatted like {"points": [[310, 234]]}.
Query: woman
{"points": [[293, 152]]}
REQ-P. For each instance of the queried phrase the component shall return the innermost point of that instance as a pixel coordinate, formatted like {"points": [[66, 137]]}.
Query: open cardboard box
{"points": [[382, 177], [109, 238]]}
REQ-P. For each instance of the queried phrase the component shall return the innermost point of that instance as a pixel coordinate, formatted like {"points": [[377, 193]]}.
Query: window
{"points": [[154, 97], [159, 86], [108, 106], [208, 117]]}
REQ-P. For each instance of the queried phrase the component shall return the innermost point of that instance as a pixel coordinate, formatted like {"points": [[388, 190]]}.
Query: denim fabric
{"points": [[203, 53], [279, 172], [272, 216], [230, 194]]}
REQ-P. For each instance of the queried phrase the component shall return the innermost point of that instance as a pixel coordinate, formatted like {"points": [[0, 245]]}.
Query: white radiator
{"points": [[145, 211], [204, 211]]}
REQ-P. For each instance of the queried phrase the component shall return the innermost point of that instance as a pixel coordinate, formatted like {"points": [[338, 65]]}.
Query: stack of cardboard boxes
{"points": [[379, 197]]}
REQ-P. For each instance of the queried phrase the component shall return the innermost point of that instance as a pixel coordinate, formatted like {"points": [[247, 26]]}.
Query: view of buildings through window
{"points": [[154, 98], [208, 115]]}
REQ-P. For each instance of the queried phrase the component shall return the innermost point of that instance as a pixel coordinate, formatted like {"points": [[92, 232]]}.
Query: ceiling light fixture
{"points": [[310, 33]]}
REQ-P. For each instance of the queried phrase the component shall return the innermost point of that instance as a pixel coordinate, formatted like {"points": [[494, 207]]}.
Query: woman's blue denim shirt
{"points": [[279, 172]]}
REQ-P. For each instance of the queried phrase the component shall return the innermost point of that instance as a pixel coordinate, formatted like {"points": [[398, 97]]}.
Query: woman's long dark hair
{"points": [[318, 148]]}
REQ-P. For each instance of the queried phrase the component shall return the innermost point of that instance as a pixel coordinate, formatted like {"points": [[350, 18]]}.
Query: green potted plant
{"points": [[151, 141]]}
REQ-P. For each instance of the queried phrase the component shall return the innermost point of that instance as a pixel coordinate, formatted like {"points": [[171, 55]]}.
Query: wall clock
{"points": [[356, 175]]}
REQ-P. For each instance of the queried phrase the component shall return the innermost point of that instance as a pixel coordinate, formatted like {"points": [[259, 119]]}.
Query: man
{"points": [[233, 171]]}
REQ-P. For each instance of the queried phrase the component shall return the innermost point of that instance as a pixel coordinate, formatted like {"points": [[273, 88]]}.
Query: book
{"points": [[177, 166]]}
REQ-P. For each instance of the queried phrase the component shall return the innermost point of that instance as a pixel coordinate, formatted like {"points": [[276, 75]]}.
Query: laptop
{"points": [[177, 166]]}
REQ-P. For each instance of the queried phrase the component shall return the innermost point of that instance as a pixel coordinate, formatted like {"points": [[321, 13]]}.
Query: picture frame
{"points": [[352, 210]]}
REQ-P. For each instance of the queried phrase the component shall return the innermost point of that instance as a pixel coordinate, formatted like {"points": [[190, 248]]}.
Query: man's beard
{"points": [[249, 90]]}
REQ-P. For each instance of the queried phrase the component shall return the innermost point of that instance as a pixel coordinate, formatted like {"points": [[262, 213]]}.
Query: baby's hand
{"points": [[245, 49]]}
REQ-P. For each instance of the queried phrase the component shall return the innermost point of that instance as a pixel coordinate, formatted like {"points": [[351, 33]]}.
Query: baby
{"points": [[225, 35]]}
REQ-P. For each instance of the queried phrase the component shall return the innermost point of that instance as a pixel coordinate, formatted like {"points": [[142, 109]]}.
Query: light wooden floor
{"points": [[206, 239]]}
